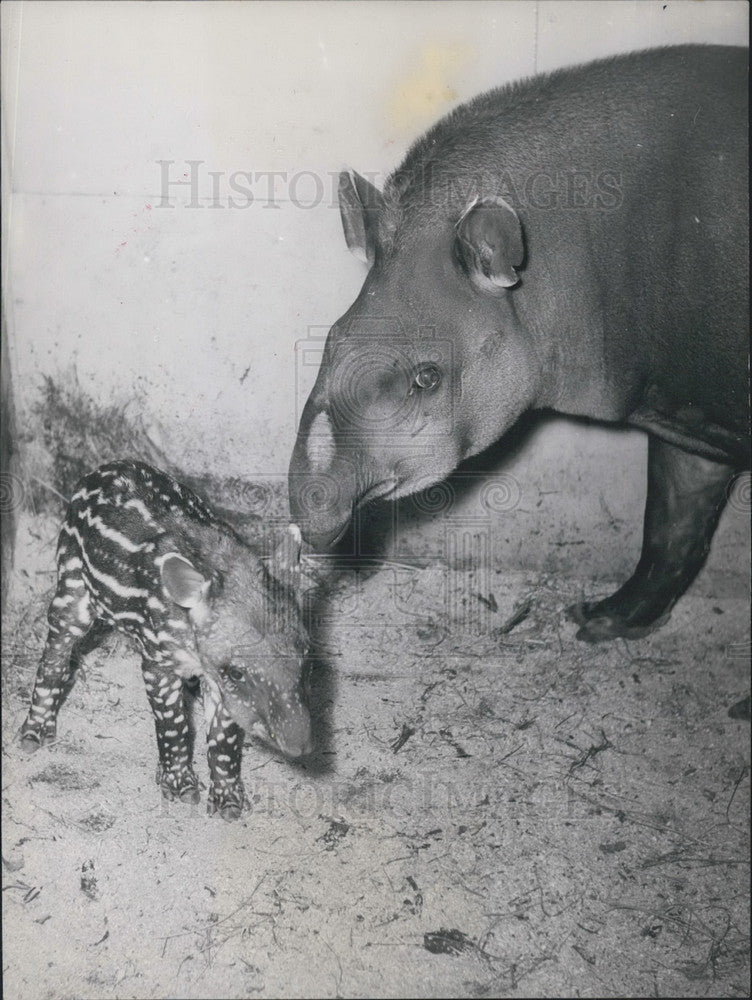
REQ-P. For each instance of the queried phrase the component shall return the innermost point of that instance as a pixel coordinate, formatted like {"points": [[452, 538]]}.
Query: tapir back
{"points": [[631, 177], [113, 528]]}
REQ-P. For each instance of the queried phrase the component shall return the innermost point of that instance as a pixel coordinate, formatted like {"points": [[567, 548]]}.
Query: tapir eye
{"points": [[235, 674], [427, 377]]}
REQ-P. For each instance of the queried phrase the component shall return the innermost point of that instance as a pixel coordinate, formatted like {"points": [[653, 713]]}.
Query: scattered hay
{"points": [[72, 434], [65, 778]]}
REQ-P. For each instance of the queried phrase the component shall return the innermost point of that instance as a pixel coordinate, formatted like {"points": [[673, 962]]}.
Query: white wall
{"points": [[176, 303]]}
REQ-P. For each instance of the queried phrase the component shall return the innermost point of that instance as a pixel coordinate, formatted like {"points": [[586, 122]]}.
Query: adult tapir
{"points": [[576, 242]]}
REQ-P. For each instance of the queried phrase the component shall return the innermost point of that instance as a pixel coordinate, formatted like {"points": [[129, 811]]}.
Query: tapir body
{"points": [[144, 554], [576, 242]]}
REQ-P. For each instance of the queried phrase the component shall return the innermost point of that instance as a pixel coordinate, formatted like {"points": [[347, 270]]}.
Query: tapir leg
{"points": [[224, 750], [70, 618], [175, 775], [686, 495]]}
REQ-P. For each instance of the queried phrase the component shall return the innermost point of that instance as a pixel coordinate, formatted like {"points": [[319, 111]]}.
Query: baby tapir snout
{"points": [[255, 653], [143, 553], [274, 694]]}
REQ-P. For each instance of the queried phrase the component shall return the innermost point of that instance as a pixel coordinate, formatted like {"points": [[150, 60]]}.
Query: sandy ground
{"points": [[489, 812]]}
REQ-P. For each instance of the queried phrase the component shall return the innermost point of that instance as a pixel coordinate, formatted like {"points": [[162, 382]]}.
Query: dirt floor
{"points": [[494, 809]]}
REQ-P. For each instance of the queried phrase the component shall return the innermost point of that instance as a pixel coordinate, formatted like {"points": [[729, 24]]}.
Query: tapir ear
{"points": [[489, 244], [359, 206], [285, 561], [182, 581]]}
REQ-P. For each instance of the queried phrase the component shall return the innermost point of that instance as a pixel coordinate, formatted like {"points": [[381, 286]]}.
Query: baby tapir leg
{"points": [[70, 617], [175, 774], [224, 750]]}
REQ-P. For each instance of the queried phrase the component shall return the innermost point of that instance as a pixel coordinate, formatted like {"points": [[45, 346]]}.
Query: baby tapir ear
{"points": [[489, 244], [285, 561], [182, 581], [359, 206]]}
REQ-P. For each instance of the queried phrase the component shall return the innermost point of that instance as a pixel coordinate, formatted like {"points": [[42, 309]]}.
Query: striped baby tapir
{"points": [[145, 554]]}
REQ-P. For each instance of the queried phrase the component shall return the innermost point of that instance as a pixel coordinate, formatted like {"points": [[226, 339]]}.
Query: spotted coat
{"points": [[142, 553]]}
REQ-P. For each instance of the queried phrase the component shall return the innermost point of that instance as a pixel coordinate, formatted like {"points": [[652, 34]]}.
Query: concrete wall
{"points": [[134, 261]]}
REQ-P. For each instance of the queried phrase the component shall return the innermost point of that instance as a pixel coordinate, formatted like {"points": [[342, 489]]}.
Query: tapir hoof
{"points": [[597, 625], [229, 801], [229, 812], [181, 785], [31, 740], [189, 794]]}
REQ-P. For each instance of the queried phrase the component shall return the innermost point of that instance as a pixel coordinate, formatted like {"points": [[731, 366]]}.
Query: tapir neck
{"points": [[580, 370]]}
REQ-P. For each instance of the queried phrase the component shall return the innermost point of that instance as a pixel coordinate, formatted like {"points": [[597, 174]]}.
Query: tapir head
{"points": [[249, 640], [427, 367]]}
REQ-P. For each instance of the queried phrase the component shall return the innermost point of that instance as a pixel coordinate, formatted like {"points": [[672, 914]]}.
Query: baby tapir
{"points": [[143, 553]]}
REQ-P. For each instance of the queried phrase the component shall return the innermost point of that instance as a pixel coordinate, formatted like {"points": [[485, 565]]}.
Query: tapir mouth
{"points": [[378, 492], [322, 540], [298, 742], [295, 748], [328, 539]]}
